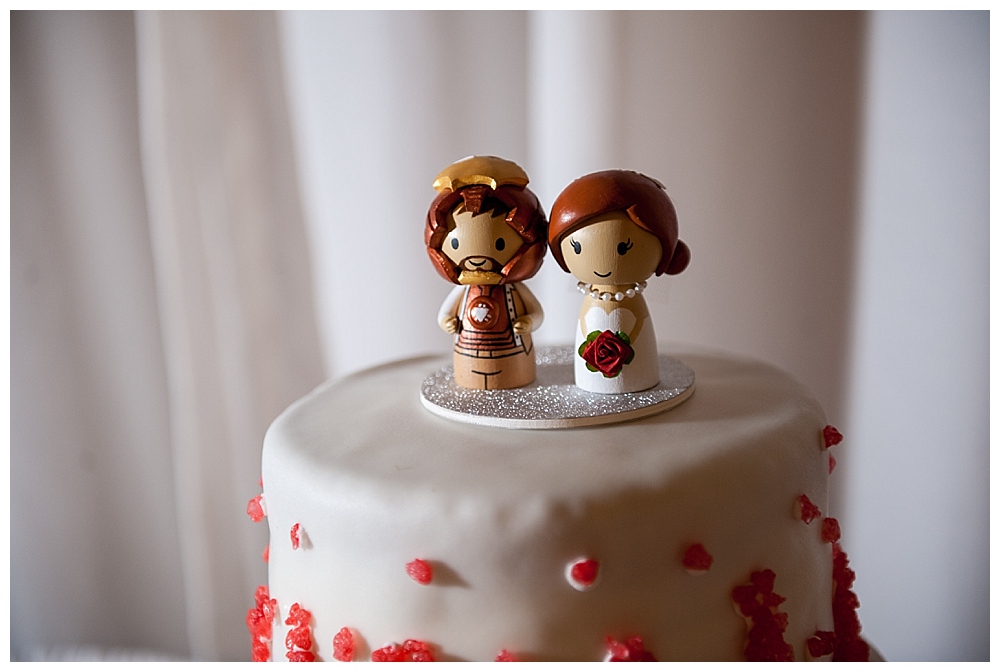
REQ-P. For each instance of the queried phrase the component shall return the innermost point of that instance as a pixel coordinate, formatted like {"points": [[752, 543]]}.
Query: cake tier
{"points": [[375, 481]]}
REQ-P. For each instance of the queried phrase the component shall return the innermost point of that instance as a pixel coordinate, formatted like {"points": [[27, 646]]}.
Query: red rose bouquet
{"points": [[607, 352]]}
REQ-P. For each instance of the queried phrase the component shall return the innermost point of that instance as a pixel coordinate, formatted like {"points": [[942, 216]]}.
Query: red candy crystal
{"points": [[267, 553], [831, 530], [298, 616], [585, 572], [298, 641], [632, 651], [850, 646], [697, 560], [758, 602], [343, 645], [259, 623], [505, 656], [255, 510], [833, 463], [420, 571], [831, 437], [806, 510], [411, 651], [822, 643], [295, 536]]}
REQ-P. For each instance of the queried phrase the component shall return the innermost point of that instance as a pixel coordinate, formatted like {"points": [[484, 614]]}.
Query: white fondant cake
{"points": [[373, 482]]}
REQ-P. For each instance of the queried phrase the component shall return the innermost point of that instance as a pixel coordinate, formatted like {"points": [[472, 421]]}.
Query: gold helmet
{"points": [[491, 171]]}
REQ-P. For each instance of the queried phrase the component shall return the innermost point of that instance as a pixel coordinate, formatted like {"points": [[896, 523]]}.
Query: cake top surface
{"points": [[369, 430]]}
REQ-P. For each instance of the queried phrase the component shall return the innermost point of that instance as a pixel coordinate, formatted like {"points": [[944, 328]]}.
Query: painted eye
{"points": [[576, 246], [624, 247], [500, 244], [454, 243]]}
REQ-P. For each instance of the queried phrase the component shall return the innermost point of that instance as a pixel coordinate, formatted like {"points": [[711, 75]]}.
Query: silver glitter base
{"points": [[553, 401]]}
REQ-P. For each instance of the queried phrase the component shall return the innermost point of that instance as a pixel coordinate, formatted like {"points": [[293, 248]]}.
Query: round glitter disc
{"points": [[553, 401]]}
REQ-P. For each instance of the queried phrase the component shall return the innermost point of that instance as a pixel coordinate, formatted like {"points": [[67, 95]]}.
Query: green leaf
{"points": [[592, 336], [623, 336], [583, 346], [591, 368], [630, 358]]}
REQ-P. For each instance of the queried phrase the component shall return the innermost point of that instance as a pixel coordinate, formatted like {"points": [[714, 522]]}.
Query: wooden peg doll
{"points": [[613, 230], [486, 233]]}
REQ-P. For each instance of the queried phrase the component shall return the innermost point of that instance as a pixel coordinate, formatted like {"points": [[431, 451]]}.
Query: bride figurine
{"points": [[613, 230]]}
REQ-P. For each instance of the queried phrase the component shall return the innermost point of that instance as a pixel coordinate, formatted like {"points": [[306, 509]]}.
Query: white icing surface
{"points": [[378, 480]]}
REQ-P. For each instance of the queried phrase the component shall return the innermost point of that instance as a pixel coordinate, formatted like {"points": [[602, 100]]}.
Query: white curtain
{"points": [[157, 218], [169, 297]]}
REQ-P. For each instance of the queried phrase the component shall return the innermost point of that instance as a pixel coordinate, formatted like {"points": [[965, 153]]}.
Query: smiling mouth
{"points": [[602, 276], [472, 263]]}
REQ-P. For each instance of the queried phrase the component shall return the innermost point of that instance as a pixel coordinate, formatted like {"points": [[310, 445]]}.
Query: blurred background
{"points": [[211, 213]]}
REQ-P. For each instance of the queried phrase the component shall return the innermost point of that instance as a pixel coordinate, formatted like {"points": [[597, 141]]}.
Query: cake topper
{"points": [[485, 232], [613, 230]]}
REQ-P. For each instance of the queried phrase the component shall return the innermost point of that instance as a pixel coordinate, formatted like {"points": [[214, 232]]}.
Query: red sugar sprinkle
{"points": [[298, 641], [295, 536], [632, 651], [822, 643], [850, 646], [255, 510], [411, 651], [806, 510], [259, 623], [585, 571], [505, 656], [420, 571], [758, 602], [833, 463], [299, 638], [831, 437], [697, 560], [267, 553], [298, 616], [343, 645], [831, 530]]}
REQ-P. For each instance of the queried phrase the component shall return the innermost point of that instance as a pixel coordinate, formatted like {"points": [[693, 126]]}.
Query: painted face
{"points": [[611, 250], [481, 242]]}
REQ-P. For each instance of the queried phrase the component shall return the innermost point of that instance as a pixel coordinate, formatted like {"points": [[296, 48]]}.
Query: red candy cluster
{"points": [[343, 645], [807, 510], [758, 603], [850, 646], [298, 641], [632, 651], [697, 559], [420, 571], [296, 541], [259, 623], [255, 510], [267, 553], [822, 643], [831, 437], [411, 651], [505, 656], [831, 530]]}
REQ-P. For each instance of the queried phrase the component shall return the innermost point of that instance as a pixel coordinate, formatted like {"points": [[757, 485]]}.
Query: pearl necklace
{"points": [[608, 296]]}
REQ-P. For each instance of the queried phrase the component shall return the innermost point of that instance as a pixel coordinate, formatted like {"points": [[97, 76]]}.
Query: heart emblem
{"points": [[480, 313]]}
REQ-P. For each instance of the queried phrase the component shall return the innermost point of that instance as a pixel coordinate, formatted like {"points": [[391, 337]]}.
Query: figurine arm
{"points": [[448, 315], [533, 314]]}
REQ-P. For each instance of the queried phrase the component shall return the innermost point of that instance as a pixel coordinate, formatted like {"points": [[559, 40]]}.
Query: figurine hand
{"points": [[451, 325], [522, 325]]}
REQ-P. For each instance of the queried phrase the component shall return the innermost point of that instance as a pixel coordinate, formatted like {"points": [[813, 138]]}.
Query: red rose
{"points": [[607, 352]]}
